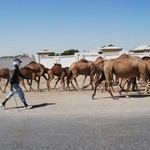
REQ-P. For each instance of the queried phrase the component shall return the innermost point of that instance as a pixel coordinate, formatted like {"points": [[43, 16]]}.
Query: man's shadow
{"points": [[33, 106], [42, 105]]}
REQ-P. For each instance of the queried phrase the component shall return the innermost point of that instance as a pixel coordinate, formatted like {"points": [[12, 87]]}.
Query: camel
{"points": [[125, 66], [99, 63], [4, 73], [39, 69], [30, 74], [82, 67], [146, 59], [56, 70], [60, 72]]}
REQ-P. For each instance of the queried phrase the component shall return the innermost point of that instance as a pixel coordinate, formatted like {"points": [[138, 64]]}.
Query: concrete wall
{"points": [[66, 61]]}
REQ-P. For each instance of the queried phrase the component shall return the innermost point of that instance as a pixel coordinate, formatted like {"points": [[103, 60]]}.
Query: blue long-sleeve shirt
{"points": [[14, 75]]}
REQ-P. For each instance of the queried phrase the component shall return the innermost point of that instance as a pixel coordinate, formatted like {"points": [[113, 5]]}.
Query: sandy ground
{"points": [[75, 104]]}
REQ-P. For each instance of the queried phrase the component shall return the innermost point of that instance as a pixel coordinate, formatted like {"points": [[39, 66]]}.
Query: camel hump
{"points": [[32, 62], [57, 64], [83, 60], [99, 58], [124, 56]]}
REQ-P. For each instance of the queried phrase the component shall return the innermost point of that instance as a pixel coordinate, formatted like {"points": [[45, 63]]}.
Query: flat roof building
{"points": [[110, 49]]}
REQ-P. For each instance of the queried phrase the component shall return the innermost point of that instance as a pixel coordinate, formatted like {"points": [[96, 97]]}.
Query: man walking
{"points": [[14, 83]]}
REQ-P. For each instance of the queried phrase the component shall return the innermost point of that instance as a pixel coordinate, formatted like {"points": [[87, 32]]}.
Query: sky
{"points": [[30, 26]]}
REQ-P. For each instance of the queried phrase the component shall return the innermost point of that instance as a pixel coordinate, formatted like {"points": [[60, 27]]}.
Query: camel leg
{"points": [[63, 82], [123, 82], [38, 83], [134, 85], [22, 80], [6, 85], [132, 80], [51, 77], [56, 82], [84, 82], [75, 82], [71, 84], [91, 82], [29, 82], [70, 81], [0, 87], [44, 76], [102, 78], [110, 91], [109, 79], [48, 84], [104, 88]]}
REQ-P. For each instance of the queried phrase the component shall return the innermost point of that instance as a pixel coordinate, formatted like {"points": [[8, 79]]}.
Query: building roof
{"points": [[110, 46], [142, 47], [44, 52]]}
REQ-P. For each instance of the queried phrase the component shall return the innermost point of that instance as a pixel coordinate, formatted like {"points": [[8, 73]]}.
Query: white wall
{"points": [[66, 61]]}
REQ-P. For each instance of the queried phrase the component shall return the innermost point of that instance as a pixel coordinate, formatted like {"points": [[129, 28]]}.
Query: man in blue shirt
{"points": [[14, 83]]}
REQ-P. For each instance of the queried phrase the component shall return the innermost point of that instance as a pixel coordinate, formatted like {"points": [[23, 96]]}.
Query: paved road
{"points": [[73, 121]]}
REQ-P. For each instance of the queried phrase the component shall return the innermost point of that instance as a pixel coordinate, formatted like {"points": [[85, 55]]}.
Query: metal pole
{"points": [[16, 102]]}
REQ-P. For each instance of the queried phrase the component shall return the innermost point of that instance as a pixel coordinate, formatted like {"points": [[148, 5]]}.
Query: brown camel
{"points": [[4, 73], [56, 70], [99, 63], [82, 67], [30, 74], [39, 69], [60, 72], [125, 66], [146, 59]]}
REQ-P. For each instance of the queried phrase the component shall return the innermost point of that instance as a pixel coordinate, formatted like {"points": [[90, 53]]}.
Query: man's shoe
{"points": [[29, 107], [2, 106]]}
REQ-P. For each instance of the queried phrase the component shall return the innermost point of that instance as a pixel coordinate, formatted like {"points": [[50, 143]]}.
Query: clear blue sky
{"points": [[29, 26]]}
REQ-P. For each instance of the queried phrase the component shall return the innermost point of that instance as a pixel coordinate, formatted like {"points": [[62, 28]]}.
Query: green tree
{"points": [[70, 52], [51, 54]]}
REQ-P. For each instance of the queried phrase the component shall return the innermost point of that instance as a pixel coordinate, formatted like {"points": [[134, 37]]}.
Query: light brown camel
{"points": [[125, 66], [82, 67], [4, 73], [39, 69], [146, 59], [99, 63]]}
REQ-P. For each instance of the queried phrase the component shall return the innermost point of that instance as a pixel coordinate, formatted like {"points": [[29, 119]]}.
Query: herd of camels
{"points": [[126, 69]]}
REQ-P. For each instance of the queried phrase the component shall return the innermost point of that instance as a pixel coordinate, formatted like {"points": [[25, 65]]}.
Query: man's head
{"points": [[17, 62]]}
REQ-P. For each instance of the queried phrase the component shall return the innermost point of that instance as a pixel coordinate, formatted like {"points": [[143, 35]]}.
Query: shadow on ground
{"points": [[42, 105], [33, 106]]}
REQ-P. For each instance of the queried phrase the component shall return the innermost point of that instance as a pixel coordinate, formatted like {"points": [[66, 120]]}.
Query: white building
{"points": [[110, 49], [141, 49]]}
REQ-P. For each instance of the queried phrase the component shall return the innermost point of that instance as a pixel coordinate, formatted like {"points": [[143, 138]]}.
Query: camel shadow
{"points": [[124, 96], [135, 96]]}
